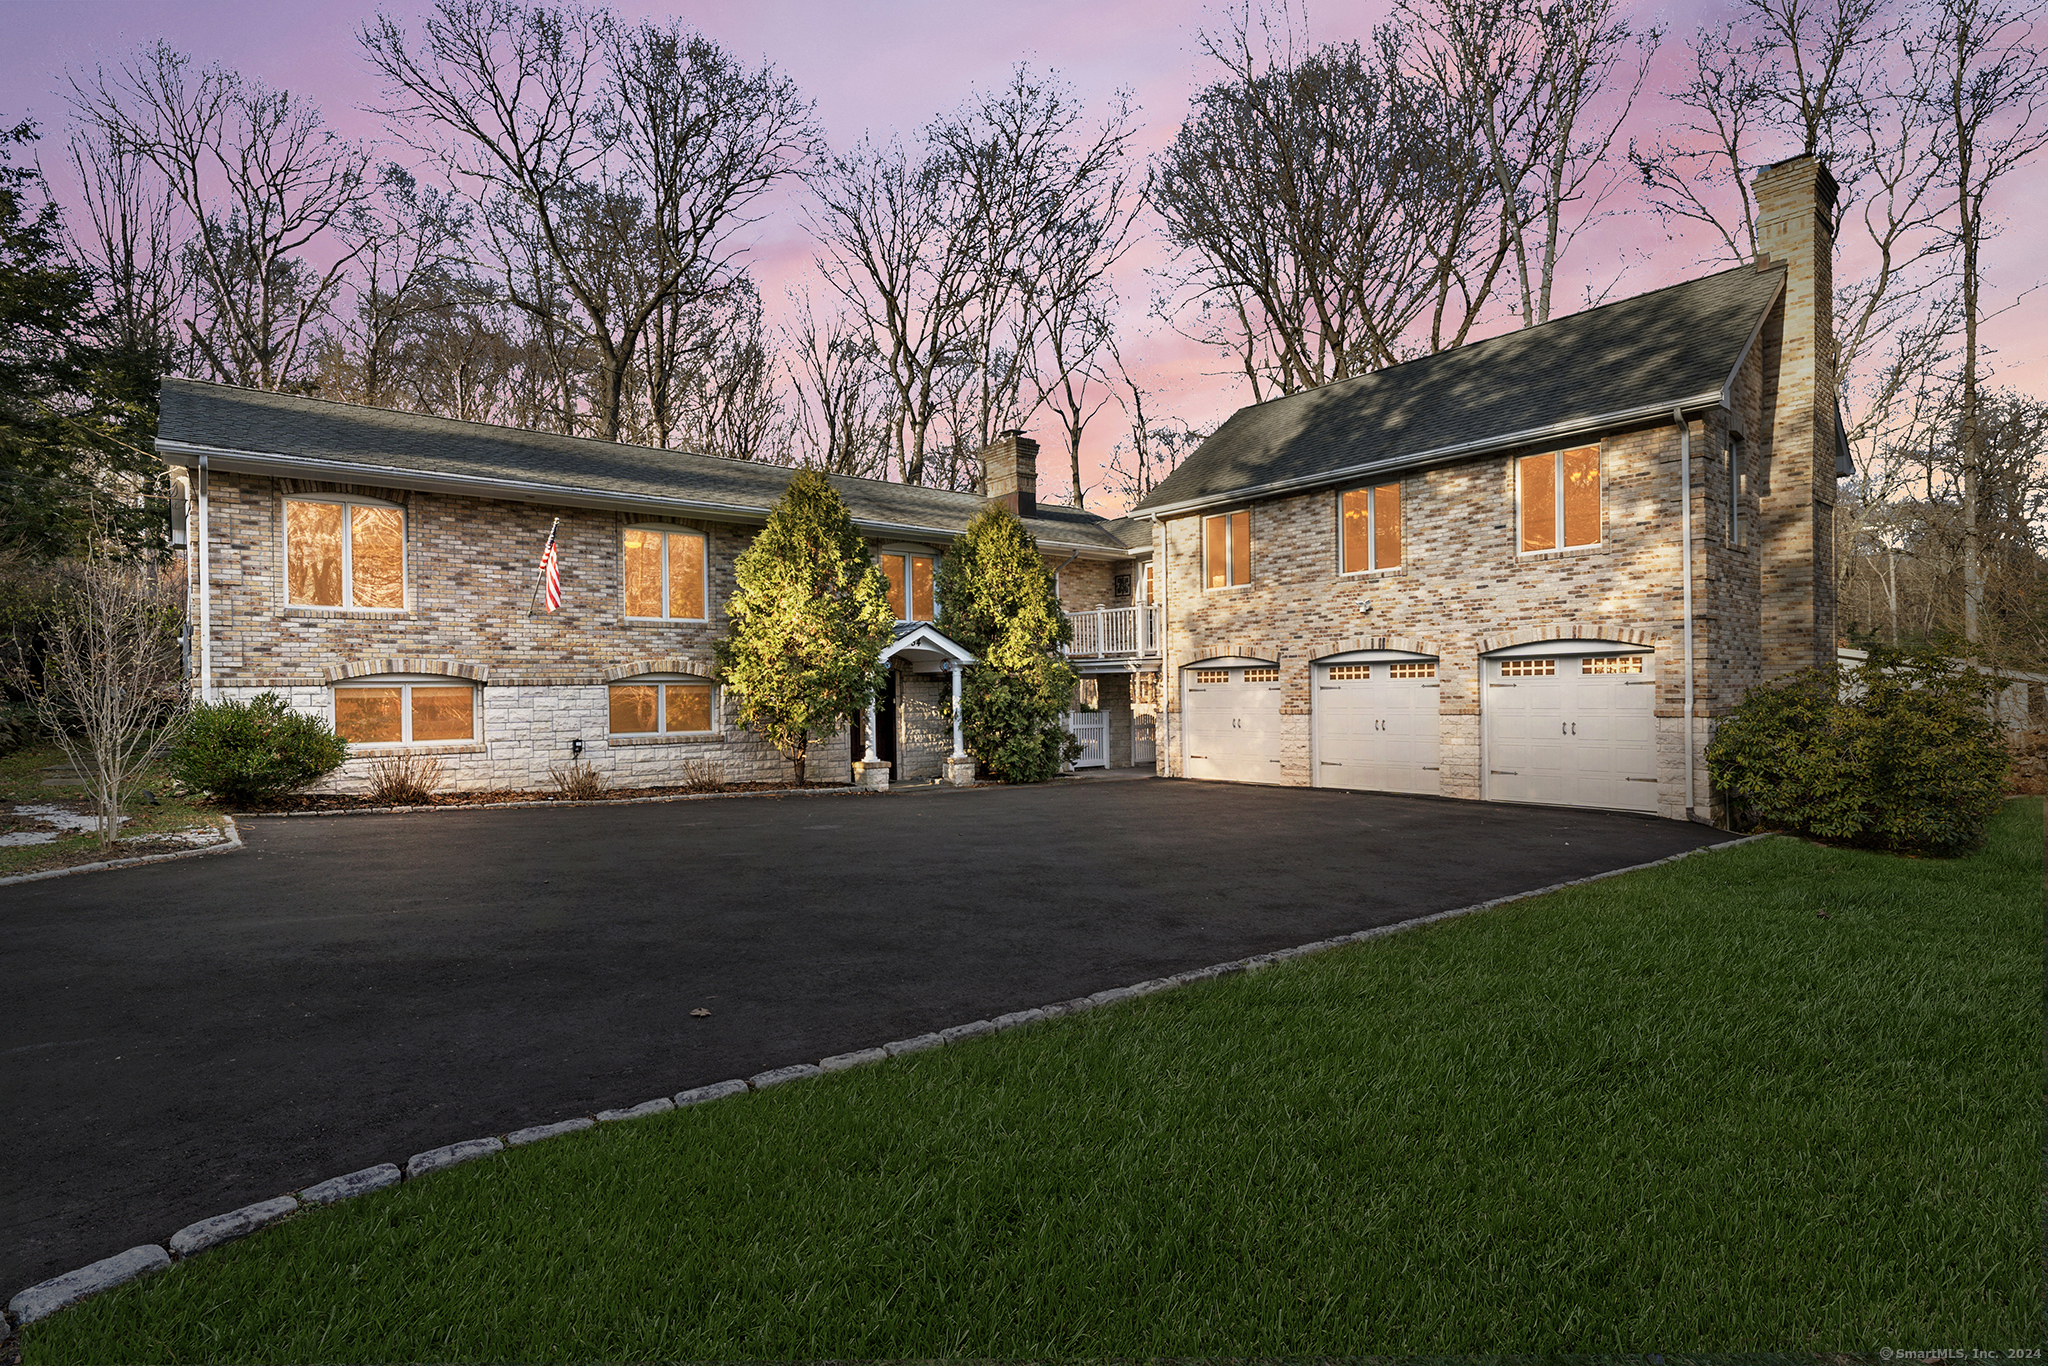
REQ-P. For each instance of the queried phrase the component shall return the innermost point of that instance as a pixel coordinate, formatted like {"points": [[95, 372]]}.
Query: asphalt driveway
{"points": [[185, 1039]]}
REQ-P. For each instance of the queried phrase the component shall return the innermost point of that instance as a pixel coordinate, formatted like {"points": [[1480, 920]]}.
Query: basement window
{"points": [[405, 711], [661, 705], [1557, 500]]}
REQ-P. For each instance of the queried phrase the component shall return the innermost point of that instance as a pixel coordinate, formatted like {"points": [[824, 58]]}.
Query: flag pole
{"points": [[541, 573]]}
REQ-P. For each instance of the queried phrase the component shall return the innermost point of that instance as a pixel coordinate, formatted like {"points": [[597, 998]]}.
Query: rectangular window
{"points": [[1262, 675], [660, 708], [1557, 499], [405, 713], [1371, 537], [1417, 670], [1144, 583], [1527, 668], [1349, 672], [1611, 664], [344, 555], [1212, 675], [1145, 689], [910, 586], [1227, 549], [664, 574]]}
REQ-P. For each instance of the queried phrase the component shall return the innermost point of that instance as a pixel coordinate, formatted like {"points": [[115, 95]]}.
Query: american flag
{"points": [[551, 569]]}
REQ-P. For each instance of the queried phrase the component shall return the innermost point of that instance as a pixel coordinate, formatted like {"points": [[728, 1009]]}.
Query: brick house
{"points": [[1469, 575]]}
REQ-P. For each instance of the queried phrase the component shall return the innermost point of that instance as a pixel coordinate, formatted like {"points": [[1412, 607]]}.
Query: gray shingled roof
{"points": [[1645, 354], [358, 444]]}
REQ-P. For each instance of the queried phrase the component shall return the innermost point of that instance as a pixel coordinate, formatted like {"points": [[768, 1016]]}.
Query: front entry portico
{"points": [[924, 737]]}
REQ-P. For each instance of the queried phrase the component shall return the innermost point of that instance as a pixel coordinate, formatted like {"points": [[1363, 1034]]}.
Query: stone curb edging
{"points": [[41, 1300], [847, 791], [232, 842]]}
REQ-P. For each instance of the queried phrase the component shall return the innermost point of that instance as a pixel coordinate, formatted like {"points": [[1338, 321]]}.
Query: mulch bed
{"points": [[363, 801]]}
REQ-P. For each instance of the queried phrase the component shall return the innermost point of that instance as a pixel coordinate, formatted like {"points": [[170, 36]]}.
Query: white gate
{"points": [[1091, 728]]}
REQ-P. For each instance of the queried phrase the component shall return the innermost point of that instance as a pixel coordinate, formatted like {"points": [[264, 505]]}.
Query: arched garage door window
{"points": [[1571, 723]]}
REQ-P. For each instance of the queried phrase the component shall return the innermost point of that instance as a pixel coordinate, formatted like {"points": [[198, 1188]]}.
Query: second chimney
{"points": [[1010, 472]]}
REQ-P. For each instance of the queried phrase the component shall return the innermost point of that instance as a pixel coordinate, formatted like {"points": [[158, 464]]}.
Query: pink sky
{"points": [[890, 67]]}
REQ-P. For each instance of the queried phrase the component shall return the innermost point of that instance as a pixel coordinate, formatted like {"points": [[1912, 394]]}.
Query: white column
{"points": [[958, 751], [872, 757]]}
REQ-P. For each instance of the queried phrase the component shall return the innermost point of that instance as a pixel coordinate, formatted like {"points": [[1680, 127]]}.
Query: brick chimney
{"points": [[1010, 472], [1795, 202]]}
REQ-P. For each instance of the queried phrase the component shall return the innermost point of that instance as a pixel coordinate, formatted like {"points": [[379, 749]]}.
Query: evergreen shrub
{"points": [[1899, 753], [248, 752]]}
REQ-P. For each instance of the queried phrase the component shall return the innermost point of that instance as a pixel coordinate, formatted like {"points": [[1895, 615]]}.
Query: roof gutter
{"points": [[1440, 455], [187, 453]]}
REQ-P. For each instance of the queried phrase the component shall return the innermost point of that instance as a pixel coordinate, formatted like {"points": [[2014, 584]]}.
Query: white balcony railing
{"points": [[1115, 632]]}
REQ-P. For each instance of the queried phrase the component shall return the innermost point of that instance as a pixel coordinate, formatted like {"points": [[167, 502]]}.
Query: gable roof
{"points": [[1623, 361], [257, 432]]}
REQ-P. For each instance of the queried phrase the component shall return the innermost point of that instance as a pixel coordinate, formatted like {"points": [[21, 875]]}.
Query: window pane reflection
{"points": [[377, 556], [1356, 517], [1582, 496], [689, 707], [442, 714], [313, 535], [920, 588], [1386, 527], [1538, 498], [892, 570], [633, 709], [686, 576], [368, 716]]}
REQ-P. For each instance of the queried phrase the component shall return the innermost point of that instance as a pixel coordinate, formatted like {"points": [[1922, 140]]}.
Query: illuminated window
{"points": [[1351, 672], [661, 705], [405, 712], [1527, 668], [1413, 670], [1558, 496], [1145, 689], [1371, 537], [1227, 550], [1212, 675], [1611, 664], [344, 554], [1737, 482], [664, 573], [910, 586], [1262, 675]]}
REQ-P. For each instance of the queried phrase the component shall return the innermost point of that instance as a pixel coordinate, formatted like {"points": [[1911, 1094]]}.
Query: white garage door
{"points": [[1376, 725], [1573, 730], [1231, 717]]}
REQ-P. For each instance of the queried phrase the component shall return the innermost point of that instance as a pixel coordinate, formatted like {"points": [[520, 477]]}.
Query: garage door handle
{"points": [[1501, 685], [1429, 768], [1640, 683], [1642, 780], [1506, 772], [1331, 763]]}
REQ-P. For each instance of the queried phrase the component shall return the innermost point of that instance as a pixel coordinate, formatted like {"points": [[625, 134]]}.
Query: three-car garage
{"points": [[1562, 723]]}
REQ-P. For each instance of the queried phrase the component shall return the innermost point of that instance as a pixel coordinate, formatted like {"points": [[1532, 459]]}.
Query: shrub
{"points": [[244, 752], [1899, 753], [405, 779], [579, 782]]}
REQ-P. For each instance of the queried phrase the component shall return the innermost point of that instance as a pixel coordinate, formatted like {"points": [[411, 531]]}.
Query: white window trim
{"points": [[1229, 552], [665, 530], [661, 682], [1372, 541], [405, 683], [1557, 499], [348, 558]]}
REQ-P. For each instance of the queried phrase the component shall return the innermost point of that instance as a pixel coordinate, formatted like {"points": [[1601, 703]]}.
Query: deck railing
{"points": [[1115, 632]]}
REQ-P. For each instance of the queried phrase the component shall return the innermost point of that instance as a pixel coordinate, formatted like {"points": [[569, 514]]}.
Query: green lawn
{"points": [[1782, 1097]]}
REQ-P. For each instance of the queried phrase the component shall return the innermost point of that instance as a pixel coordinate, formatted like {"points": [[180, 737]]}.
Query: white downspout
{"points": [[205, 596], [1685, 556], [1163, 732]]}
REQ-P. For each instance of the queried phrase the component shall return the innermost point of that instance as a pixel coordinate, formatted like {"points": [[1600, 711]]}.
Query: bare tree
{"points": [[1535, 75], [1979, 68], [130, 244], [1153, 447], [617, 166], [1324, 205], [843, 396], [111, 679], [408, 264], [261, 180]]}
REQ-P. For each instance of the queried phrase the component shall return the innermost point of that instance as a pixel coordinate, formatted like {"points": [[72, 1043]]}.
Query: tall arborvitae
{"points": [[996, 598], [809, 616]]}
